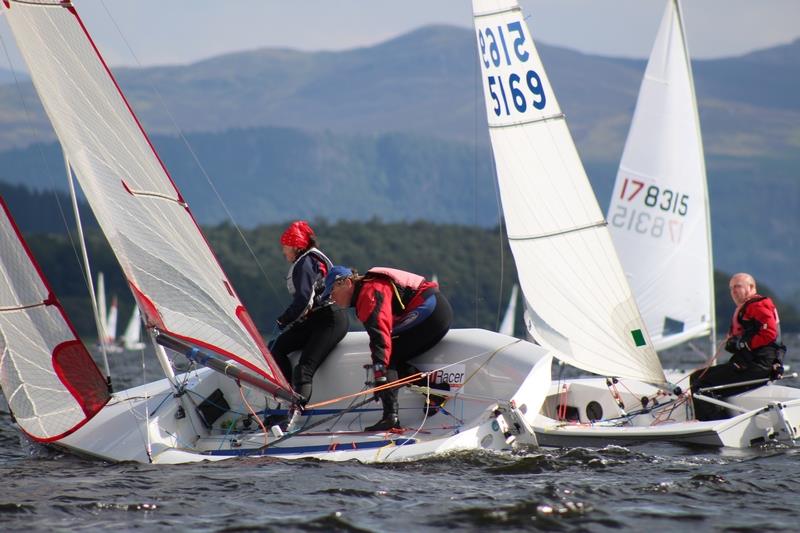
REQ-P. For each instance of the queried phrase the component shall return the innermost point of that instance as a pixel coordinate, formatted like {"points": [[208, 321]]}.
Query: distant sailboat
{"points": [[108, 318], [507, 325], [659, 211], [132, 338]]}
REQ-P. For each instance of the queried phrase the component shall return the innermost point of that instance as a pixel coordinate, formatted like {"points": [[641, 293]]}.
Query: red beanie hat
{"points": [[298, 235]]}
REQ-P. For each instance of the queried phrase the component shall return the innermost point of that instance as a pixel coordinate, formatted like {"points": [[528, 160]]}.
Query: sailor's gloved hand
{"points": [[379, 373], [776, 371], [735, 344]]}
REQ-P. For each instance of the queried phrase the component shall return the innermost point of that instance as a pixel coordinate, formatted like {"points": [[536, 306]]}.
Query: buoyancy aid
{"points": [[757, 333], [410, 290], [319, 283]]}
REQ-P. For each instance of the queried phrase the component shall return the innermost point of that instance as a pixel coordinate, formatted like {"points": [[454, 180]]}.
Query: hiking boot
{"points": [[386, 423]]}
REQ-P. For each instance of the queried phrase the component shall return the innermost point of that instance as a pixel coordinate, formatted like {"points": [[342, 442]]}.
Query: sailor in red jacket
{"points": [[753, 339], [404, 315]]}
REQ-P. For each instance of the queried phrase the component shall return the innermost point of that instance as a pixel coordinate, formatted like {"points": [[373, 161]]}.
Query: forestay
{"points": [[576, 295], [659, 212], [49, 379], [178, 283]]}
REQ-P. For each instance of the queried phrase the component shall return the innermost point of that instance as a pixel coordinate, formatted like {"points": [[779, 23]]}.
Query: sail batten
{"points": [[598, 224], [577, 300], [179, 283]]}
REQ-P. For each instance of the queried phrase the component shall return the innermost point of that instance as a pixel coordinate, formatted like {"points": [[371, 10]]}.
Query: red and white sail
{"points": [[178, 283], [50, 381]]}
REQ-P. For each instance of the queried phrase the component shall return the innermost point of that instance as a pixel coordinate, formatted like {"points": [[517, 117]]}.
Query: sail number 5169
{"points": [[502, 47]]}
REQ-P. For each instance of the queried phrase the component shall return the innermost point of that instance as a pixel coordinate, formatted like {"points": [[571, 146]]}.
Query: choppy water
{"points": [[648, 486]]}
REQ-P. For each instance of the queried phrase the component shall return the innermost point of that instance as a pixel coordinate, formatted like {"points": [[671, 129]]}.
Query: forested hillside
{"points": [[473, 265]]}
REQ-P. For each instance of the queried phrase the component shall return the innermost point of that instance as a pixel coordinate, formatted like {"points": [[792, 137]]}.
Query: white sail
{"points": [[51, 383], [659, 214], [507, 325], [178, 283], [101, 306], [111, 322], [132, 338], [575, 291]]}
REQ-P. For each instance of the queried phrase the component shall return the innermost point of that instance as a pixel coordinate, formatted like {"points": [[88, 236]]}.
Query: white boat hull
{"points": [[587, 414], [492, 380]]}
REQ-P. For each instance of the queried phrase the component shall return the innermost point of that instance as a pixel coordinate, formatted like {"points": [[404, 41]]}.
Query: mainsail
{"points": [[659, 212], [576, 295], [51, 383], [178, 283]]}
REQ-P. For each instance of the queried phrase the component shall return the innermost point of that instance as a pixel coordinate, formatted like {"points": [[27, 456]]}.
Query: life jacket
{"points": [[319, 283], [410, 290], [748, 328]]}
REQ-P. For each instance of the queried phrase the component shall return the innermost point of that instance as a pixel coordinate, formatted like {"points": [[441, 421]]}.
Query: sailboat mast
{"points": [[87, 267], [712, 300]]}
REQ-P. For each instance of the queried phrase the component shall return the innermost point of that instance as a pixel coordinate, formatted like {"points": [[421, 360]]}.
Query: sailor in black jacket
{"points": [[309, 323]]}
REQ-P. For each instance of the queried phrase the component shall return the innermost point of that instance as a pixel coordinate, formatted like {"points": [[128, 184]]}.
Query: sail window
{"points": [[80, 375]]}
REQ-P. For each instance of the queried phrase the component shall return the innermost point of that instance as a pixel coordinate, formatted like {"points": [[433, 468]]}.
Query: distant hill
{"points": [[427, 82], [268, 175], [397, 131]]}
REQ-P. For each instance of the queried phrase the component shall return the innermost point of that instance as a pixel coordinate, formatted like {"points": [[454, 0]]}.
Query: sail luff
{"points": [[706, 195], [576, 296], [178, 282]]}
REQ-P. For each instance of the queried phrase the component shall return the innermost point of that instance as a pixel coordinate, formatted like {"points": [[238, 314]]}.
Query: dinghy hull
{"points": [[494, 396]]}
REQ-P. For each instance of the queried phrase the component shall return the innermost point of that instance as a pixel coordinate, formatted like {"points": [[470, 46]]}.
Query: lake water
{"points": [[646, 486]]}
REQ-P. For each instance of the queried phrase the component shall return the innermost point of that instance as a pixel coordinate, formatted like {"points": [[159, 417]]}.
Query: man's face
{"points": [[741, 289], [342, 292]]}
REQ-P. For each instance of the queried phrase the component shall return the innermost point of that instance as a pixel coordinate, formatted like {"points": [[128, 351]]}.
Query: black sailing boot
{"points": [[301, 383], [390, 419], [390, 407]]}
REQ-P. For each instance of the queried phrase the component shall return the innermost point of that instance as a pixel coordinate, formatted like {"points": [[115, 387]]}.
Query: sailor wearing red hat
{"points": [[310, 323]]}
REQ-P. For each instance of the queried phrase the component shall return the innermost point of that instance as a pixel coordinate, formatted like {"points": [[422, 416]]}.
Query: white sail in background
{"points": [[132, 338], [111, 322], [507, 325], [101, 306], [576, 294], [51, 383], [178, 283], [658, 215]]}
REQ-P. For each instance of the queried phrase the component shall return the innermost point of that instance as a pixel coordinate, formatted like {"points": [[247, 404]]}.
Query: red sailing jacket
{"points": [[383, 297], [756, 321]]}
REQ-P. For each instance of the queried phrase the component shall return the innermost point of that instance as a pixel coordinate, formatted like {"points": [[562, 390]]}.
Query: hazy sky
{"points": [[181, 31]]}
